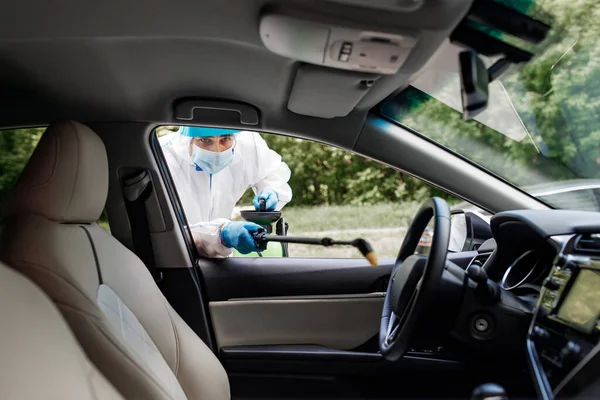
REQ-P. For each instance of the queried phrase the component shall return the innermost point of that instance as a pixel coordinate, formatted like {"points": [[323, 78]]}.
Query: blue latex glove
{"points": [[239, 236], [270, 197]]}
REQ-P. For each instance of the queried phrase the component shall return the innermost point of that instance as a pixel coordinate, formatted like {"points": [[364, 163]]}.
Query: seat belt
{"points": [[137, 189]]}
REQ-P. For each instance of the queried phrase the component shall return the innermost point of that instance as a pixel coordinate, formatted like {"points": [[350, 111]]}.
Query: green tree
{"points": [[16, 147], [557, 96], [326, 175]]}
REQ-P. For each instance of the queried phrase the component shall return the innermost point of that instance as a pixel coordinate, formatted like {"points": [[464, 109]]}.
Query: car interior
{"points": [[37, 339], [138, 313]]}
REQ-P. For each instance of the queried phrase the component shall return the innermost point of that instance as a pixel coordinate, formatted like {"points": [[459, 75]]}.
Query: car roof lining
{"points": [[130, 61]]}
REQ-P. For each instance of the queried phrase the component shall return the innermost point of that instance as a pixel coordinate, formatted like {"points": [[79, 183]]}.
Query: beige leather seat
{"points": [[118, 314], [39, 356]]}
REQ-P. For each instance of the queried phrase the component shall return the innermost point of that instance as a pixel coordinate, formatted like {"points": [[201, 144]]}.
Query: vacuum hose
{"points": [[261, 238]]}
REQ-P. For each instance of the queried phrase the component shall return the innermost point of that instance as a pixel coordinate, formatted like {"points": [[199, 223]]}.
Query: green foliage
{"points": [[558, 93], [326, 175], [557, 96], [16, 146]]}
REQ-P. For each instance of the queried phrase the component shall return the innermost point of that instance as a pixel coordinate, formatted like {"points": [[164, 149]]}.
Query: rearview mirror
{"points": [[474, 81]]}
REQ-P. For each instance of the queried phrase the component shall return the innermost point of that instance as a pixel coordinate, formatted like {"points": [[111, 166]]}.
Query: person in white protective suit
{"points": [[212, 168]]}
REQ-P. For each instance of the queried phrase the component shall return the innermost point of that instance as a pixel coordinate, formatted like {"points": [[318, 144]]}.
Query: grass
{"points": [[382, 225], [326, 218], [385, 245]]}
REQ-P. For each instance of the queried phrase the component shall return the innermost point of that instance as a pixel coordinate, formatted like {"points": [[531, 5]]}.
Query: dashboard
{"points": [[552, 259]]}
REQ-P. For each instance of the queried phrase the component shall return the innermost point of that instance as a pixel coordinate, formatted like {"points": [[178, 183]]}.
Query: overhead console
{"points": [[336, 46], [340, 61], [389, 5]]}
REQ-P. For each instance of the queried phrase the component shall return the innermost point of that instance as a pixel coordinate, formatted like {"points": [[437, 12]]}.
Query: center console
{"points": [[563, 340]]}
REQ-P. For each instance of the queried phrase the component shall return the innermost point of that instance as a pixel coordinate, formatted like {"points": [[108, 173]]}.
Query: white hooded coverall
{"points": [[208, 200]]}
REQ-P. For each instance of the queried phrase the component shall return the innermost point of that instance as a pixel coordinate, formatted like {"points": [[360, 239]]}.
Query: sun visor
{"points": [[328, 93]]}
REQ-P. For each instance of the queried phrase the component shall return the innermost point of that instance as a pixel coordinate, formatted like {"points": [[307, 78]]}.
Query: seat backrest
{"points": [[39, 356], [124, 323]]}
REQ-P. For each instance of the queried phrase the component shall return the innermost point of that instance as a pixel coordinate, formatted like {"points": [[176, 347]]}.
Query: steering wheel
{"points": [[414, 279]]}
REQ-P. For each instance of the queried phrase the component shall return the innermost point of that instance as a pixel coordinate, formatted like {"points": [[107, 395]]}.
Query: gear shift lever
{"points": [[489, 391]]}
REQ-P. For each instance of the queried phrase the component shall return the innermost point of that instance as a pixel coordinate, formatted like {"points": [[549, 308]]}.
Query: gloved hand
{"points": [[271, 199], [239, 236]]}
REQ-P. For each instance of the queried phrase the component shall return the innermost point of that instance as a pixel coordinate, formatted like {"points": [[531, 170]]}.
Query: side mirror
{"points": [[461, 232], [468, 230]]}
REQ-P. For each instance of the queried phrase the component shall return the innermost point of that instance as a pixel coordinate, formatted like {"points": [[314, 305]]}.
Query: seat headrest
{"points": [[66, 178]]}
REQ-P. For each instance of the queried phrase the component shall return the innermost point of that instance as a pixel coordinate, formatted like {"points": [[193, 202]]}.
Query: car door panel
{"points": [[243, 278], [308, 328], [336, 322], [304, 327], [335, 303]]}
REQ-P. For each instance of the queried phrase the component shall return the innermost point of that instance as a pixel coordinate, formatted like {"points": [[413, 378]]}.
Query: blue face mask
{"points": [[212, 161]]}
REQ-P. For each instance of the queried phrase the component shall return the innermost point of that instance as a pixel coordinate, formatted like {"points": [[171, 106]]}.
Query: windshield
{"points": [[541, 130]]}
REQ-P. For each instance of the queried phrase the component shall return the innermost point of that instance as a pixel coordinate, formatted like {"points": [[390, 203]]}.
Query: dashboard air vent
{"points": [[589, 243]]}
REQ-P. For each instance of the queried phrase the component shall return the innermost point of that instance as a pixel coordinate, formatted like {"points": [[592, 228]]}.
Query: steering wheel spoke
{"points": [[392, 328], [410, 305]]}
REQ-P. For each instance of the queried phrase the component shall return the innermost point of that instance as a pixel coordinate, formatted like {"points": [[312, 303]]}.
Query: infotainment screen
{"points": [[582, 304]]}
